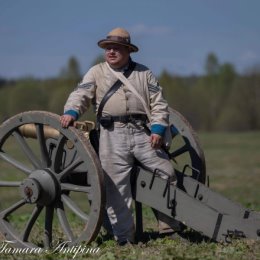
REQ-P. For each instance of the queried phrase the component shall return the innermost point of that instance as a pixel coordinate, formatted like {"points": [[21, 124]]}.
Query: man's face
{"points": [[116, 55]]}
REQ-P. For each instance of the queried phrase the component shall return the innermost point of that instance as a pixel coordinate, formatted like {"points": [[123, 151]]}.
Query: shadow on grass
{"points": [[189, 236], [186, 235]]}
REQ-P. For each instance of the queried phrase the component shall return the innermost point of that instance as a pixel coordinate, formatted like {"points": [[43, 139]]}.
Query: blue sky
{"points": [[38, 37]]}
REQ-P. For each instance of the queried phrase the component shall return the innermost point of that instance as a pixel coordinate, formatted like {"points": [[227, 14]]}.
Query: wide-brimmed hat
{"points": [[118, 36]]}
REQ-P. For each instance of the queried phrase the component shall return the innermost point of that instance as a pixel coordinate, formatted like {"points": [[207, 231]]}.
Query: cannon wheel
{"points": [[51, 186], [185, 150], [186, 155]]}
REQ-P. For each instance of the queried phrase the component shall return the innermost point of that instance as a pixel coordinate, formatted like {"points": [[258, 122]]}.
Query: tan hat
{"points": [[118, 36]]}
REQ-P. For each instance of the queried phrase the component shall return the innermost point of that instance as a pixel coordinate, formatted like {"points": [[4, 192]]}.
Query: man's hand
{"points": [[156, 141], [66, 120]]}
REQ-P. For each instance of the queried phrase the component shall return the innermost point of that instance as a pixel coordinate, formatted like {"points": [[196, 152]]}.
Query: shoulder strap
{"points": [[114, 88], [127, 83]]}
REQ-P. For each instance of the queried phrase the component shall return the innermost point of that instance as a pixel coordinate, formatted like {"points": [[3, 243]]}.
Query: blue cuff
{"points": [[73, 113], [158, 129]]}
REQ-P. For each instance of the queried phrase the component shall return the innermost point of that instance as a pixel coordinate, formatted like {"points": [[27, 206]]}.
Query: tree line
{"points": [[219, 100]]}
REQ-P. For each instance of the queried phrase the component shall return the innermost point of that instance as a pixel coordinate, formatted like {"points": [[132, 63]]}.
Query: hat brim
{"points": [[103, 44]]}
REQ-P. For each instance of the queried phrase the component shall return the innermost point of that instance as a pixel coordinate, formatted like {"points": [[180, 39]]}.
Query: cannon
{"points": [[52, 185]]}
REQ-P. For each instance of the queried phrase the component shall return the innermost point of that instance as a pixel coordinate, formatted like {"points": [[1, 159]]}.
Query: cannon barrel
{"points": [[29, 131]]}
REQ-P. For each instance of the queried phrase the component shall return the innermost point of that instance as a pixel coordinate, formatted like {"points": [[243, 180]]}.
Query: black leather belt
{"points": [[108, 121], [130, 118]]}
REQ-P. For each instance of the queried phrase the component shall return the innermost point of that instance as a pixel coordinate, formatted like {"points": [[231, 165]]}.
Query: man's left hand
{"points": [[156, 141]]}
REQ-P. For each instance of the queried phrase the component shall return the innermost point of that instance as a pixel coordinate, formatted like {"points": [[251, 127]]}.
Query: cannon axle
{"points": [[40, 187]]}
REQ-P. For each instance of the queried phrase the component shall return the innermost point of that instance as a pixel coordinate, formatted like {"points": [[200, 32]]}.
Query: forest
{"points": [[219, 100]]}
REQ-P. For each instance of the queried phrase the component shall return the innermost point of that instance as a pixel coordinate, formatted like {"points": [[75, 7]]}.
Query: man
{"points": [[123, 140]]}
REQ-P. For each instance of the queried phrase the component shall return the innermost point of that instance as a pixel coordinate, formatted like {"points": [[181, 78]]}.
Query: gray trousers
{"points": [[119, 146]]}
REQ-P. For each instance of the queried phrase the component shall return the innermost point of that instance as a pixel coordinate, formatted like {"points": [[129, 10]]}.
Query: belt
{"points": [[108, 121], [130, 118]]}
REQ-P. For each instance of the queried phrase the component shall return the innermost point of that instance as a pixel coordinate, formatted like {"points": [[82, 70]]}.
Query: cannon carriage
{"points": [[52, 185]]}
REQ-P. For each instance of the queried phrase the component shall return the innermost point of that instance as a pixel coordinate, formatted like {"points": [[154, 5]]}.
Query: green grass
{"points": [[233, 165]]}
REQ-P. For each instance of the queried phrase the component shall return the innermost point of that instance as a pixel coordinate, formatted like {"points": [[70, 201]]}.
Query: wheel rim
{"points": [[185, 150], [50, 181]]}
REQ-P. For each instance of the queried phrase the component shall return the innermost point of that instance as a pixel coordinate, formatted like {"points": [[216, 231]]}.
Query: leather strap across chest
{"points": [[114, 88]]}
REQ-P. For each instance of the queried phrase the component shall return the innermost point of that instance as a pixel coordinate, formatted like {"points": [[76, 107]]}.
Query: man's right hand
{"points": [[66, 120]]}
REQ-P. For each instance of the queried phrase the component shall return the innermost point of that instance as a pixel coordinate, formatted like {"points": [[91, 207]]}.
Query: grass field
{"points": [[233, 165]]}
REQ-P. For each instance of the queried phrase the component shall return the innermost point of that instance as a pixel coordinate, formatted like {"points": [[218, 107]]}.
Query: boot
{"points": [[167, 224]]}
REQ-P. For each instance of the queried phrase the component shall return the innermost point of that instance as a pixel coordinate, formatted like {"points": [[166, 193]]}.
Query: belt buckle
{"points": [[131, 119]]}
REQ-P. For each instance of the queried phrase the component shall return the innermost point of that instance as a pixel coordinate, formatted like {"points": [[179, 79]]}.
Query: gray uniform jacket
{"points": [[99, 79]]}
